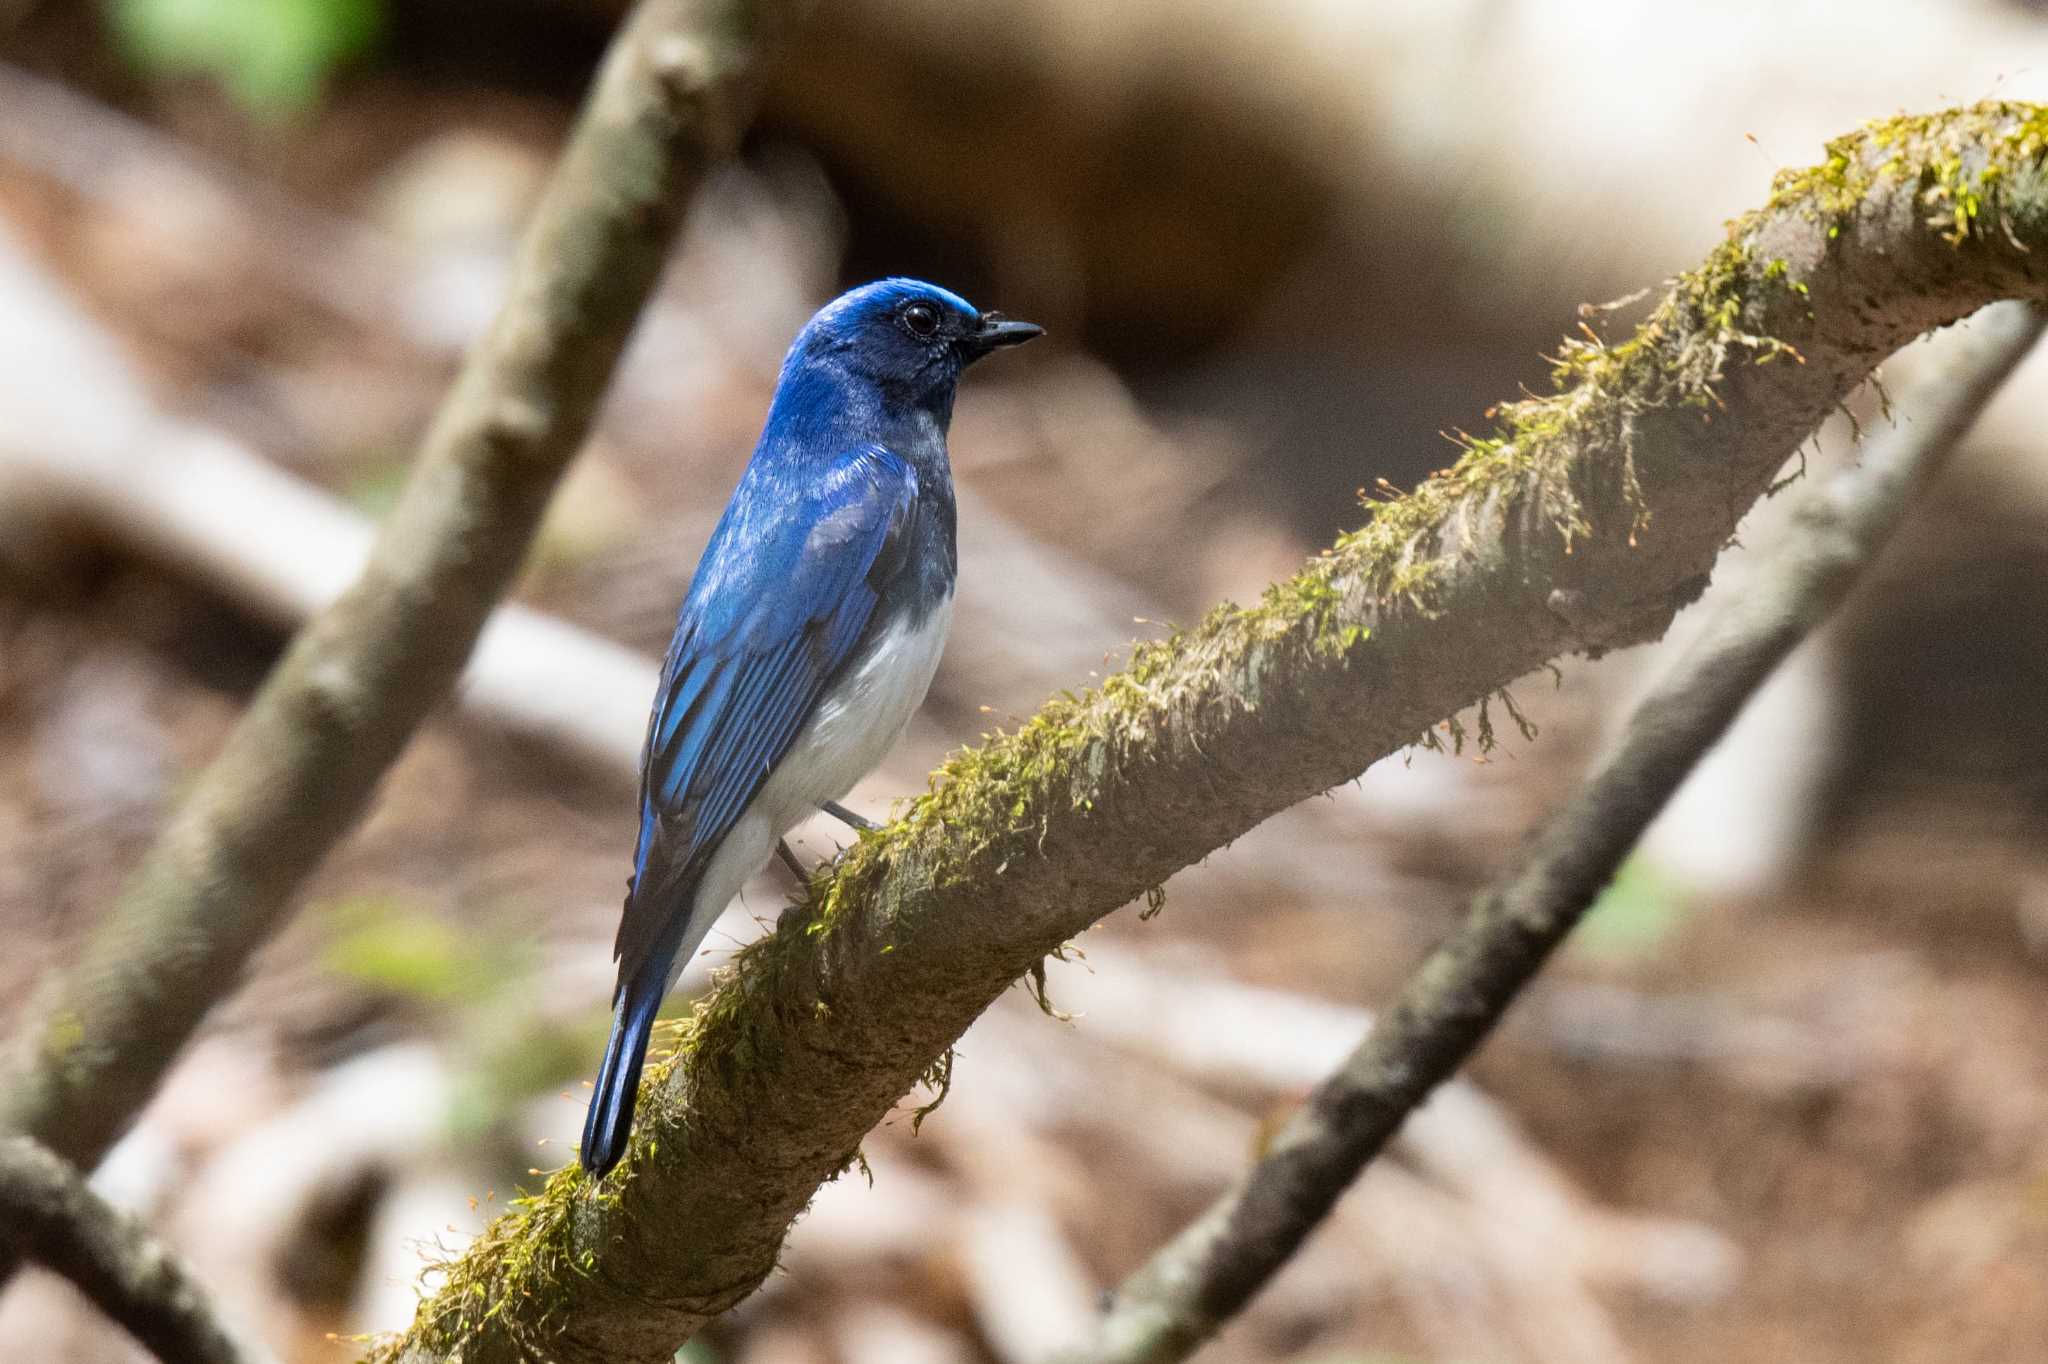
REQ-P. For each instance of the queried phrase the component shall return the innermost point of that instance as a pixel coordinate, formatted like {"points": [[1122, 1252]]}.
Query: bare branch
{"points": [[1586, 524], [48, 1215], [83, 442], [303, 762], [1205, 1275]]}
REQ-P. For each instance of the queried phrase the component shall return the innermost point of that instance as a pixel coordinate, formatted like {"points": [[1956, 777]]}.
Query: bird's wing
{"points": [[784, 591]]}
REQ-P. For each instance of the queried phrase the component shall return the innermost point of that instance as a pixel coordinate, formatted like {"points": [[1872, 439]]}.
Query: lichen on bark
{"points": [[1583, 522]]}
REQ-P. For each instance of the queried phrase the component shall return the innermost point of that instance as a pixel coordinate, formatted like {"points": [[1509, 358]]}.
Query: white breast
{"points": [[860, 719], [852, 730]]}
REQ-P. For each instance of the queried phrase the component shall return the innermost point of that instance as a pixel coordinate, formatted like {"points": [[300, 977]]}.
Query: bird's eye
{"points": [[922, 319]]}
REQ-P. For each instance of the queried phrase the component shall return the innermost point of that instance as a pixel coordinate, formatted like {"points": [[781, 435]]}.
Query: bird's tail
{"points": [[610, 1120]]}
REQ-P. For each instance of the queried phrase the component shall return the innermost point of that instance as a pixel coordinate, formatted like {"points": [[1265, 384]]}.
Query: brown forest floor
{"points": [[1849, 1081]]}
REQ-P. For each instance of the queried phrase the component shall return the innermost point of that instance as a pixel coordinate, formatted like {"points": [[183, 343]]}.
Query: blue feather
{"points": [[610, 1119], [840, 531], [739, 682]]}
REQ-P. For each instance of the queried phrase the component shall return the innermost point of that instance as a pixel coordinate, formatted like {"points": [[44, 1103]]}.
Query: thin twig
{"points": [[301, 766], [1205, 1275], [48, 1215]]}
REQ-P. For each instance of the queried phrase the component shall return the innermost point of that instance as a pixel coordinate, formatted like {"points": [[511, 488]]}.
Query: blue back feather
{"points": [[847, 501], [781, 598]]}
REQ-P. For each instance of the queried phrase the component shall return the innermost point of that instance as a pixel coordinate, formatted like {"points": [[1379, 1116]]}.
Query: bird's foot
{"points": [[788, 859], [848, 817]]}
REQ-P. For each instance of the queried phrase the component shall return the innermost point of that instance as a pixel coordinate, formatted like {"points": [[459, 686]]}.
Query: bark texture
{"points": [[48, 1215], [304, 761], [1206, 1275], [1584, 524]]}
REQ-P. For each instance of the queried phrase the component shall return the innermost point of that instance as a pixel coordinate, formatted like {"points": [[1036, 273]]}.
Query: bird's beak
{"points": [[997, 331]]}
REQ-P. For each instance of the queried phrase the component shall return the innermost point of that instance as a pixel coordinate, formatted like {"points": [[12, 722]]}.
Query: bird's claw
{"points": [[848, 817]]}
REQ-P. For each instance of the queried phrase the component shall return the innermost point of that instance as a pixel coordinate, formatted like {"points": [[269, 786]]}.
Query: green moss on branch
{"points": [[1583, 521]]}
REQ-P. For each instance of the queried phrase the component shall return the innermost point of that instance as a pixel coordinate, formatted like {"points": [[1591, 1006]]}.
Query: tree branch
{"points": [[1585, 524], [48, 1215], [338, 708], [1205, 1275]]}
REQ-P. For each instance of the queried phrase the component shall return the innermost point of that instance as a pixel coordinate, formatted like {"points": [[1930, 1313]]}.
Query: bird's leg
{"points": [[788, 859], [848, 817]]}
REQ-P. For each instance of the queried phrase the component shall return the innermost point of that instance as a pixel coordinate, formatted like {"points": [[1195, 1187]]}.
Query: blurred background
{"points": [[1785, 1096]]}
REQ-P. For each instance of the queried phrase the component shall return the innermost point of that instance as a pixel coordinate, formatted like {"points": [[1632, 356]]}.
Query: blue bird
{"points": [[807, 639]]}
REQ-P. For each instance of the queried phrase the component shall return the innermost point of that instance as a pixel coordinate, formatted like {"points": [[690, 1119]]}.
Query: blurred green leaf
{"points": [[1633, 916], [411, 951], [273, 57], [375, 491]]}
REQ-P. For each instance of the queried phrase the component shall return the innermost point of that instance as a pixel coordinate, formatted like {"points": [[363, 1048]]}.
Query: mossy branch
{"points": [[335, 712], [1585, 523], [1206, 1274]]}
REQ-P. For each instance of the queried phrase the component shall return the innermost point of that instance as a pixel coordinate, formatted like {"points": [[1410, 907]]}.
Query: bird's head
{"points": [[908, 338]]}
